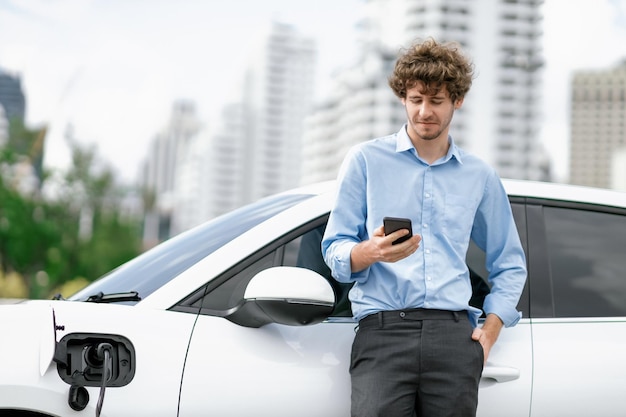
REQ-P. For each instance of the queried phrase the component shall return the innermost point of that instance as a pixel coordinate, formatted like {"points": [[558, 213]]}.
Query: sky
{"points": [[112, 69]]}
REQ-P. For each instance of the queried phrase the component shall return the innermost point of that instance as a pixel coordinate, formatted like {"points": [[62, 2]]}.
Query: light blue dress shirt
{"points": [[455, 198]]}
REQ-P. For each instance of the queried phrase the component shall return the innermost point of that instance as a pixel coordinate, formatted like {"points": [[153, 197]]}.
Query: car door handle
{"points": [[500, 373]]}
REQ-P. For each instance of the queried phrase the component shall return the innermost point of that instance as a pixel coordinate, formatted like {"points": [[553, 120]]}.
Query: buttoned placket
{"points": [[427, 217]]}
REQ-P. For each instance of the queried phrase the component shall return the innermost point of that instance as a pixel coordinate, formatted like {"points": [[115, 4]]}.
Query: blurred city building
{"points": [[598, 131], [253, 151], [213, 175], [360, 106], [166, 151], [26, 144], [11, 96], [4, 126], [12, 103], [272, 137], [500, 118], [618, 176], [278, 94]]}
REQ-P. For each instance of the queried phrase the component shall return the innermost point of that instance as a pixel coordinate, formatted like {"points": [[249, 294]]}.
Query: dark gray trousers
{"points": [[415, 362]]}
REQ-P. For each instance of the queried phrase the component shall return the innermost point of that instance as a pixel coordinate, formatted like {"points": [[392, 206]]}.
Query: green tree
{"points": [[102, 237], [81, 233], [26, 234]]}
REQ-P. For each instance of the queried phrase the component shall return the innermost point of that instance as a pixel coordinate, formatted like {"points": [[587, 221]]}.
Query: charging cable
{"points": [[103, 352]]}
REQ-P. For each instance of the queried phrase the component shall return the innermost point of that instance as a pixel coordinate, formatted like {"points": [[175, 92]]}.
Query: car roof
{"points": [[564, 192], [522, 188]]}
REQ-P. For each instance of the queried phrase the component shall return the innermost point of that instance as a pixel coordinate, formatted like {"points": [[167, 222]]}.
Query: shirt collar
{"points": [[403, 143]]}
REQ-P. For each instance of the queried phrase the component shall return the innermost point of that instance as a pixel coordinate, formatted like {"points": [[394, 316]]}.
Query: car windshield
{"points": [[159, 265]]}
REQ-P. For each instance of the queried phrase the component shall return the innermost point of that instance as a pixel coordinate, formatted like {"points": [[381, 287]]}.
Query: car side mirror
{"points": [[285, 295]]}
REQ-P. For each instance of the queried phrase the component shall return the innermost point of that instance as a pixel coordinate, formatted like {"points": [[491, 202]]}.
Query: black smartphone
{"points": [[391, 224]]}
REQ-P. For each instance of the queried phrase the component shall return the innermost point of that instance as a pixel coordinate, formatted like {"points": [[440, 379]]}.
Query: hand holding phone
{"points": [[392, 224]]}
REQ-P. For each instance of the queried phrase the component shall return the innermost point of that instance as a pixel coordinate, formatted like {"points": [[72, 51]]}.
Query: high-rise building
{"points": [[361, 106], [212, 175], [4, 127], [254, 149], [228, 184], [166, 152], [12, 103], [618, 174], [278, 92], [11, 96], [27, 143], [499, 120], [598, 127]]}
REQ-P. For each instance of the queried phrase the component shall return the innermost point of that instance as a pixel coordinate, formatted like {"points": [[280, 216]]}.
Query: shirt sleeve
{"points": [[494, 231], [346, 224]]}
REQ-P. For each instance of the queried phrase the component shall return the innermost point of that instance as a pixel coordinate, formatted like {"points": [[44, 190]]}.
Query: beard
{"points": [[429, 131], [432, 128]]}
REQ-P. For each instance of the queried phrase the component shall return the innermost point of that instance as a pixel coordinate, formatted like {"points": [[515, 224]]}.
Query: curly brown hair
{"points": [[434, 64]]}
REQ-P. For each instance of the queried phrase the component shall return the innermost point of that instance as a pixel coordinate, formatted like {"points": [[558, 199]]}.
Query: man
{"points": [[418, 350]]}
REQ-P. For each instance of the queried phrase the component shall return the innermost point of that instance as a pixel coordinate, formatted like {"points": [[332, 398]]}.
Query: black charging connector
{"points": [[103, 353]]}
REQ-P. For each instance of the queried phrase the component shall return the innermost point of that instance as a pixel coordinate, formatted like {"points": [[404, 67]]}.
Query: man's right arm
{"points": [[347, 247]]}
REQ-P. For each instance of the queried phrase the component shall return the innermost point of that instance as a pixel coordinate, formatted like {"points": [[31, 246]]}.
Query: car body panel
{"points": [[280, 370], [579, 364], [28, 331], [507, 376], [160, 339]]}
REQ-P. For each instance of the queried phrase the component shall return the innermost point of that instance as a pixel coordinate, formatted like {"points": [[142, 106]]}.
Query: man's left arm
{"points": [[495, 232]]}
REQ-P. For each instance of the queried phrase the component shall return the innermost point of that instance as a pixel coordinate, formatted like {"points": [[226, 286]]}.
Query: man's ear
{"points": [[458, 103]]}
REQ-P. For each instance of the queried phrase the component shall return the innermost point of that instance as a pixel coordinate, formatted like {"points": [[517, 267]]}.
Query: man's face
{"points": [[429, 115]]}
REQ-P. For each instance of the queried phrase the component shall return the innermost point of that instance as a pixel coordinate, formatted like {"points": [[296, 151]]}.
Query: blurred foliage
{"points": [[27, 143], [66, 240], [12, 285], [70, 287]]}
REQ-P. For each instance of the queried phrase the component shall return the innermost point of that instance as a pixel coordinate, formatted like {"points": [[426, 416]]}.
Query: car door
{"points": [[275, 370], [579, 310], [281, 370]]}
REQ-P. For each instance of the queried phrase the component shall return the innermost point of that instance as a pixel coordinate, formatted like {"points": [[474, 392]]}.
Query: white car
{"points": [[240, 317]]}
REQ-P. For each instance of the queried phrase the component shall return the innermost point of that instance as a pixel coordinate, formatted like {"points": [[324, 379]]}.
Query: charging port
{"points": [[80, 360]]}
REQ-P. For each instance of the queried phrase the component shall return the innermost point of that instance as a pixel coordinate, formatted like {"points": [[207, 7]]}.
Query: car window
{"points": [[156, 267], [587, 257]]}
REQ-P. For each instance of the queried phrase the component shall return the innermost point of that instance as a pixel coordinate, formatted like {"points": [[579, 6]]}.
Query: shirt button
{"points": [[427, 250], [427, 195], [426, 225], [428, 278]]}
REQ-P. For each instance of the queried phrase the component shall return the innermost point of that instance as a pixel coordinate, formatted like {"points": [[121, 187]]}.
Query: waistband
{"points": [[411, 314]]}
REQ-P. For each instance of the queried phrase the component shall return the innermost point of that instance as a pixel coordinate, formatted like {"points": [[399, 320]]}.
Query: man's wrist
{"points": [[360, 256]]}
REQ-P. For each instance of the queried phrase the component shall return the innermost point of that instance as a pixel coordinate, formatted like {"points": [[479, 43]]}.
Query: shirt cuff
{"points": [[509, 316], [341, 266]]}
